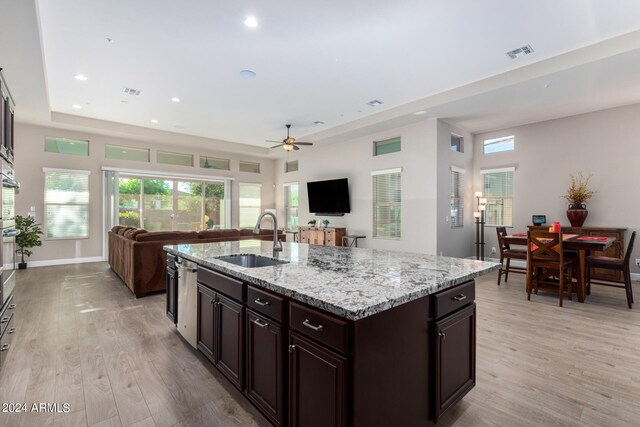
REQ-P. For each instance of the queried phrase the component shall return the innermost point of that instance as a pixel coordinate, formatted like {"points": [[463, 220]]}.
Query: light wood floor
{"points": [[83, 339]]}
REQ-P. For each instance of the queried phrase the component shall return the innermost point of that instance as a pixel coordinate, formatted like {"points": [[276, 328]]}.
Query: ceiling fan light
{"points": [[287, 147]]}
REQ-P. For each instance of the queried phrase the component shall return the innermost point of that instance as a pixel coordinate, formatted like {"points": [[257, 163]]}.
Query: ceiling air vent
{"points": [[521, 51], [129, 91], [374, 103]]}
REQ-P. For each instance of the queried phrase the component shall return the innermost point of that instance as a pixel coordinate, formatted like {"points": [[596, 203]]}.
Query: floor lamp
{"points": [[479, 216]]}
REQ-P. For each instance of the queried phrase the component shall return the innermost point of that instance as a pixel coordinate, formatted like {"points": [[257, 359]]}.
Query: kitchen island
{"points": [[333, 335]]}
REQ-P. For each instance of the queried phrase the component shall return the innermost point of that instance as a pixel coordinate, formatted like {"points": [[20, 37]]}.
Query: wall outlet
{"points": [[637, 262], [493, 250]]}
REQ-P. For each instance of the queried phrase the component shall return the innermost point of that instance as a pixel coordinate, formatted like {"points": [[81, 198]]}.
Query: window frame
{"points": [[376, 204], [169, 153], [207, 158], [286, 166], [124, 147], [45, 227], [488, 142], [459, 145], [457, 221], [388, 141], [490, 199], [247, 162], [288, 205], [240, 184], [70, 140]]}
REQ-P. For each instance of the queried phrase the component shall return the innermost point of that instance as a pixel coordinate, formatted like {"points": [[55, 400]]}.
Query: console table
{"points": [[326, 236]]}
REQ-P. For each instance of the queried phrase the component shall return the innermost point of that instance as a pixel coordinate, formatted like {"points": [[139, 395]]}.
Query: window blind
{"points": [[457, 198], [66, 200], [498, 190], [250, 204], [291, 206], [387, 200]]}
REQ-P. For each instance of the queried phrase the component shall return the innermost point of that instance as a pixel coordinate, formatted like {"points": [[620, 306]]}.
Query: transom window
{"points": [[497, 145]]}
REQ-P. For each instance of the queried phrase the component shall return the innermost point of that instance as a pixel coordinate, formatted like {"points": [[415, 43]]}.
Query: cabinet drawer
{"points": [[171, 261], [265, 303], [452, 299], [230, 287], [5, 318], [327, 330]]}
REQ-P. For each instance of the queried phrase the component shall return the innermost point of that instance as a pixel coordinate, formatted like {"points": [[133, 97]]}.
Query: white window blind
{"points": [[250, 204], [291, 206], [66, 204], [387, 205], [498, 190], [457, 197]]}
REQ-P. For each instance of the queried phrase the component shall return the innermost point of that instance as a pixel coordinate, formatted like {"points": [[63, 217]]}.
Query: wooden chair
{"points": [[617, 264], [507, 253], [547, 265]]}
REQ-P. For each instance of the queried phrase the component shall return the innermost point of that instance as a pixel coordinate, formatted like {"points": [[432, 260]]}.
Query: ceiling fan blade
{"points": [[271, 140], [295, 147], [304, 143], [275, 146]]}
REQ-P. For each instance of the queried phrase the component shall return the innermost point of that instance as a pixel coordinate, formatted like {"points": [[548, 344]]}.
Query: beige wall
{"points": [[602, 143], [31, 158], [353, 159]]}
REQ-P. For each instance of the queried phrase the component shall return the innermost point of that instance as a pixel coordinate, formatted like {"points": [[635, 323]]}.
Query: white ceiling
{"points": [[325, 61]]}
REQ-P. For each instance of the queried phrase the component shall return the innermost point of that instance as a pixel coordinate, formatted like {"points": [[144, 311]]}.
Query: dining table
{"points": [[583, 245]]}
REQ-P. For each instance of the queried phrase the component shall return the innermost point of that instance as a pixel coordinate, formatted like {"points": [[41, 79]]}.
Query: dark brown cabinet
{"points": [[455, 357], [206, 321], [317, 385], [265, 366], [172, 290], [229, 339], [6, 121]]}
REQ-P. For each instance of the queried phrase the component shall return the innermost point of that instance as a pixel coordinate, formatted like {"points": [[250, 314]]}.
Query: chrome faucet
{"points": [[277, 246]]}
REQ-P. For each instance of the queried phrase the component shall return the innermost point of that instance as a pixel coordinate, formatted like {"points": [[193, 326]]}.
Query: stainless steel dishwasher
{"points": [[188, 301]]}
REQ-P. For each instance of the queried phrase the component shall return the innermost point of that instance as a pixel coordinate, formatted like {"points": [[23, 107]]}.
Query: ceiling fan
{"points": [[289, 143]]}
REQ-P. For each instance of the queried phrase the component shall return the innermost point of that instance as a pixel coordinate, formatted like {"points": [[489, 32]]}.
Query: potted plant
{"points": [[312, 222], [28, 237], [325, 222], [577, 195]]}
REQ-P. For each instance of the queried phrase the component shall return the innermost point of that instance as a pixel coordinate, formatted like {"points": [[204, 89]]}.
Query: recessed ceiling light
{"points": [[247, 74], [251, 22], [109, 40], [420, 113], [80, 77], [547, 86], [374, 103], [76, 107], [175, 99], [318, 123], [154, 121]]}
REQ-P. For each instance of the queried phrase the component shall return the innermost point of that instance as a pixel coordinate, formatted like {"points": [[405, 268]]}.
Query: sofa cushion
{"points": [[214, 234], [124, 230], [169, 236], [131, 234], [116, 228]]}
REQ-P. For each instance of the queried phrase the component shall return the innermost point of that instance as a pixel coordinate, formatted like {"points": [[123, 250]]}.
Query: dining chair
{"points": [[507, 253], [547, 265], [616, 264]]}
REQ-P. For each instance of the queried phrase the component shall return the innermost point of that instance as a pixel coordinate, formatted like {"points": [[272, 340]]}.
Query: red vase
{"points": [[577, 214]]}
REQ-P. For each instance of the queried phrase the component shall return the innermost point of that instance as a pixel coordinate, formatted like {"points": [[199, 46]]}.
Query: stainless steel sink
{"points": [[251, 260]]}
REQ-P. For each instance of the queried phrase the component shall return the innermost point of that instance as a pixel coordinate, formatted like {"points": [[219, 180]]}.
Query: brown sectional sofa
{"points": [[136, 254]]}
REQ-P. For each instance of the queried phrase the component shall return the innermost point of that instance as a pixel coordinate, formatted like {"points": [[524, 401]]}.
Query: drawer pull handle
{"points": [[310, 326], [11, 331], [5, 347], [292, 348], [460, 297], [262, 303], [261, 323], [442, 335], [212, 301], [4, 320], [11, 307]]}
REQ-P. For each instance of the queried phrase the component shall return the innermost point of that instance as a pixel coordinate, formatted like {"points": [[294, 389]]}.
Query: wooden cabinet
{"points": [[326, 236], [172, 290], [265, 365], [206, 321], [6, 121], [317, 385], [229, 339], [7, 329], [455, 358]]}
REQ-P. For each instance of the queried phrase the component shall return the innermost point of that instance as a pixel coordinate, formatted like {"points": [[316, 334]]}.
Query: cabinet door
{"points": [[303, 235], [172, 295], [317, 385], [264, 366], [229, 332], [455, 358], [206, 321]]}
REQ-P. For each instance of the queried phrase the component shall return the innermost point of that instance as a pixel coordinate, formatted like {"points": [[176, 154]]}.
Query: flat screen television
{"points": [[329, 197]]}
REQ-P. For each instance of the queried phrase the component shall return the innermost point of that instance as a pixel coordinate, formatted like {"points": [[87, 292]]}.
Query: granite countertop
{"points": [[350, 282]]}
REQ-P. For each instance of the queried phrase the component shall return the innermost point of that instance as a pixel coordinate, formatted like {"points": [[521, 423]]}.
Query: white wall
{"points": [[31, 158], [602, 143], [353, 159]]}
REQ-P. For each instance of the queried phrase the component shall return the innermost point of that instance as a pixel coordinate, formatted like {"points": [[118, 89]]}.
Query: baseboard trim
{"points": [[523, 264], [50, 262]]}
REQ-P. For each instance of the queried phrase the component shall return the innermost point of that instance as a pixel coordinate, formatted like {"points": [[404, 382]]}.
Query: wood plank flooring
{"points": [[82, 339]]}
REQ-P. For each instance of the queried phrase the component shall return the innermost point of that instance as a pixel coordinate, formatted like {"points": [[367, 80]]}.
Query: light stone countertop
{"points": [[350, 282]]}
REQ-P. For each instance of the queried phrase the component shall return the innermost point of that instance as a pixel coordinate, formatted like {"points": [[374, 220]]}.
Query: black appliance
{"points": [[9, 232], [329, 197], [538, 219]]}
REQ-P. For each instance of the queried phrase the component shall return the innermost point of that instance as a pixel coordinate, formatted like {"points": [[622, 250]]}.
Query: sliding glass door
{"points": [[171, 204]]}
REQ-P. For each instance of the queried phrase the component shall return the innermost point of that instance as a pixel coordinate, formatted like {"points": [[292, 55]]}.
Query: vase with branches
{"points": [[578, 194]]}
